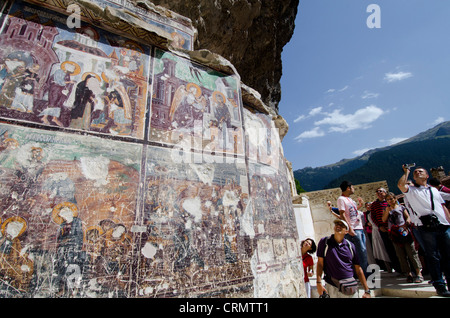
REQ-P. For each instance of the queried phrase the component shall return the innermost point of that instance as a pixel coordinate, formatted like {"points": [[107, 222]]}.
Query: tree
{"points": [[298, 187]]}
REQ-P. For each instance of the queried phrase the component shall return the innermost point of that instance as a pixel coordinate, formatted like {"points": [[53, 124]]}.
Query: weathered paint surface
{"points": [[129, 171]]}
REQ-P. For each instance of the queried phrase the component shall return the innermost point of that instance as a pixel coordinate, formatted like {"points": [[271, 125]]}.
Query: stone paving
{"points": [[392, 285]]}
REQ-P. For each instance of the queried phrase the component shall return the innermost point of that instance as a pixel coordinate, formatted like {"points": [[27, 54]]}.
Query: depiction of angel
{"points": [[15, 265], [187, 106]]}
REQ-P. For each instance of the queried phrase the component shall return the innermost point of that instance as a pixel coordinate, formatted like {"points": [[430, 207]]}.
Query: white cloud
{"points": [[332, 90], [361, 119], [439, 120], [314, 133], [361, 151], [315, 111], [399, 76], [393, 141], [301, 117], [368, 94]]}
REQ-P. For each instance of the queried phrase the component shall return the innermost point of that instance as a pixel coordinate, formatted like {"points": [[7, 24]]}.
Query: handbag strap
{"points": [[431, 197]]}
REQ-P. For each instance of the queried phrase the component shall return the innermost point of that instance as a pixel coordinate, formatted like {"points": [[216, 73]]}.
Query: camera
{"points": [[324, 295], [409, 165]]}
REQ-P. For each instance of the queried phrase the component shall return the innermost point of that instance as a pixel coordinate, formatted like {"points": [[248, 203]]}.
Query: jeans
{"points": [[359, 240], [436, 246]]}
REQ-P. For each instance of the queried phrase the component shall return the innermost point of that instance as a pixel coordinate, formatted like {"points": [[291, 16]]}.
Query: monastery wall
{"points": [[132, 165]]}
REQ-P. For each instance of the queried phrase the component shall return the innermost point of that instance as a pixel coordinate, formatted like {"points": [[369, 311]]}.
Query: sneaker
{"points": [[442, 291], [418, 279]]}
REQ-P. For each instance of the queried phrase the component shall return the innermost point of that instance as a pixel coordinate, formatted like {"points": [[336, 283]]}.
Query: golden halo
{"points": [[179, 36], [76, 71], [105, 78], [214, 95], [199, 90], [91, 73], [55, 213], [15, 219], [94, 227], [13, 142]]}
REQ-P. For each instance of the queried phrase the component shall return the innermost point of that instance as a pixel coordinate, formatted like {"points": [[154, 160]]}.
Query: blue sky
{"points": [[347, 88]]}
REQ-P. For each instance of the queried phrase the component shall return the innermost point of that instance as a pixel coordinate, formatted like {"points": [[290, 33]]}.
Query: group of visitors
{"points": [[389, 233]]}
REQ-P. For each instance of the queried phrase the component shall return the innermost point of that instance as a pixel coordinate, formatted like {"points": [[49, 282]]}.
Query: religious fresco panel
{"points": [[195, 107], [67, 204], [271, 199], [179, 28], [195, 241], [183, 36], [79, 78]]}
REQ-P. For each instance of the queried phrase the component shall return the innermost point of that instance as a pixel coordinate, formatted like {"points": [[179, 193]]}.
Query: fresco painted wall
{"points": [[129, 171]]}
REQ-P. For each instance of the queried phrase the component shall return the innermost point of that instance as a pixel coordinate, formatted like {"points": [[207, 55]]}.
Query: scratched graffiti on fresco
{"points": [[195, 239], [67, 205], [273, 216], [195, 103], [83, 78], [264, 144], [269, 185], [271, 197]]}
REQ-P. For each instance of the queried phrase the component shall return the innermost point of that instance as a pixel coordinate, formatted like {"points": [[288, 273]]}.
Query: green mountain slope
{"points": [[429, 149], [387, 165]]}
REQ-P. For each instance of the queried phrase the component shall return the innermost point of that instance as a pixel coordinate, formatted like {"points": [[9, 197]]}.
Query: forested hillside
{"points": [[387, 165], [429, 149]]}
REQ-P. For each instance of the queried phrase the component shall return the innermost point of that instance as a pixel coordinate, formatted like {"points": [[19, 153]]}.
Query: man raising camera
{"points": [[431, 221]]}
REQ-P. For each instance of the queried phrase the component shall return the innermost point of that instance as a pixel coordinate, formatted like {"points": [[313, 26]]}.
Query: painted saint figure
{"points": [[59, 87], [187, 106], [24, 98], [16, 64], [69, 256], [222, 120], [86, 95], [118, 101], [15, 266]]}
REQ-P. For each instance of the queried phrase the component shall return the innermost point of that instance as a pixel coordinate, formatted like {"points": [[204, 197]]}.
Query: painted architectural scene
{"points": [[195, 105], [81, 78], [196, 240], [67, 206]]}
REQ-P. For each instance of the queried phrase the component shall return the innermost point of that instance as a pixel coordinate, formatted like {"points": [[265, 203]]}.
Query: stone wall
{"points": [[132, 165]]}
